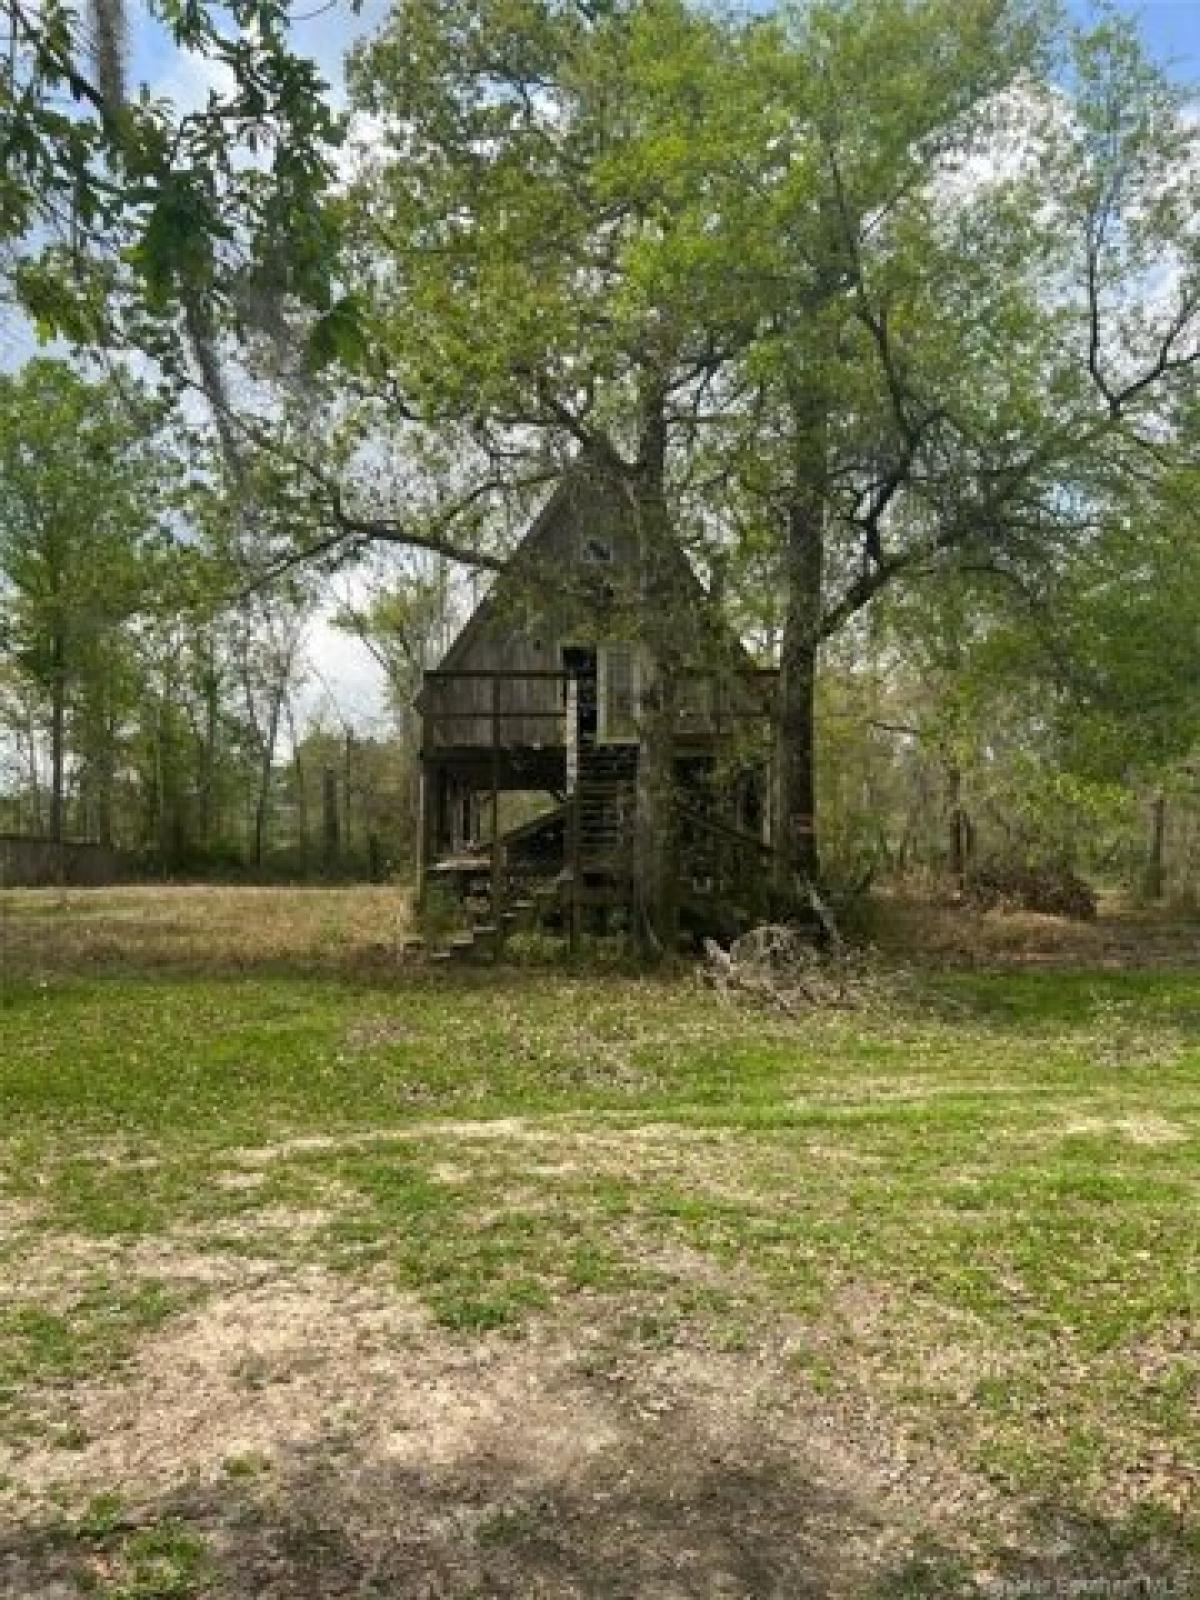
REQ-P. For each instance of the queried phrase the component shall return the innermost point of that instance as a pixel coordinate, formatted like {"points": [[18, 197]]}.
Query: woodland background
{"points": [[887, 311]]}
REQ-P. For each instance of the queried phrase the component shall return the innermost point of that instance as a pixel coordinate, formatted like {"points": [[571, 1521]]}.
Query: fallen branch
{"points": [[781, 967]]}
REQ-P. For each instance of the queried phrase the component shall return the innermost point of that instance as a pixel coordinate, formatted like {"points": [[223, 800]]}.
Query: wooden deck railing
{"points": [[527, 706]]}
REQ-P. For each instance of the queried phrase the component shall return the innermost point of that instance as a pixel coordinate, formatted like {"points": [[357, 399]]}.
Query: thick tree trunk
{"points": [[208, 769], [98, 782], [348, 794], [58, 723], [656, 852], [330, 826], [33, 774], [262, 805], [960, 826], [656, 869], [804, 567], [162, 831], [106, 777], [298, 778], [1155, 876]]}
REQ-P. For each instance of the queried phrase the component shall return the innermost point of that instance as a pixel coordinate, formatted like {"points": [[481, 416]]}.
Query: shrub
{"points": [[1056, 891]]}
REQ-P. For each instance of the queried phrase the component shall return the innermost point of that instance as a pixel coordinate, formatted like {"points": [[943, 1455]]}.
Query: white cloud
{"points": [[190, 79], [345, 683]]}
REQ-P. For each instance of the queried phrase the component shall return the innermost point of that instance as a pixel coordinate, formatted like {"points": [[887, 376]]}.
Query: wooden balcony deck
{"points": [[527, 709]]}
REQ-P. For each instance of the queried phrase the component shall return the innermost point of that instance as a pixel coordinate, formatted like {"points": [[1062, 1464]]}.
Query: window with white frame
{"points": [[618, 693]]}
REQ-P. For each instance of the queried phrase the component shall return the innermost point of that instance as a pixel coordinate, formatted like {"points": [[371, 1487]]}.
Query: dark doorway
{"points": [[579, 662]]}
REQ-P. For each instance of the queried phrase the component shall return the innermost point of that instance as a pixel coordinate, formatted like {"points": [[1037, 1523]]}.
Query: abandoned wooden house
{"points": [[531, 739]]}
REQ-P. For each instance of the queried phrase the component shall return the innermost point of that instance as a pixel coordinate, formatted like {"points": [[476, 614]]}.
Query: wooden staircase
{"points": [[730, 879], [483, 937]]}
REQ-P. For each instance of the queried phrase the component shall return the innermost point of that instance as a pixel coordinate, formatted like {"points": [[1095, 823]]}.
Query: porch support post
{"points": [[573, 824], [497, 846], [429, 799]]}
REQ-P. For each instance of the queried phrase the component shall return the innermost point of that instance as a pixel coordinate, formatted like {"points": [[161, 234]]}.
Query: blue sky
{"points": [[1171, 29], [344, 672], [325, 36]]}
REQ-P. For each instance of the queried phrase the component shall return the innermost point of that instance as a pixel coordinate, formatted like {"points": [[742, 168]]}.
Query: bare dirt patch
{"points": [[15, 1214], [1147, 1129], [250, 1369], [321, 1436], [372, 1032], [324, 1438], [543, 1146], [493, 1129], [56, 1267]]}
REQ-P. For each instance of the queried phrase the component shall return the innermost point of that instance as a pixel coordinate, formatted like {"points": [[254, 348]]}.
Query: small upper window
{"points": [[598, 550]]}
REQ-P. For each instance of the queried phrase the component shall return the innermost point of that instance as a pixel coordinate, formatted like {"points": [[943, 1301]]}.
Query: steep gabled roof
{"points": [[564, 491], [578, 485]]}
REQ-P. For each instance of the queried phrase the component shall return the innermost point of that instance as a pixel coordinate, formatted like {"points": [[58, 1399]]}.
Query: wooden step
{"points": [[612, 895]]}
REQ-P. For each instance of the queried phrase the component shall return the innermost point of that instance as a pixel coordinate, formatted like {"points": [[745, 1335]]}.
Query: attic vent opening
{"points": [[598, 550]]}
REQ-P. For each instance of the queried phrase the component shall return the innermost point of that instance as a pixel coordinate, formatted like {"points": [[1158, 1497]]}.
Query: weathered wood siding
{"points": [[541, 603], [573, 581], [463, 712]]}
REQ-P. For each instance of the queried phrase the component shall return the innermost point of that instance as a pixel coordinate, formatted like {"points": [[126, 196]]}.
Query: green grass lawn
{"points": [[960, 1229]]}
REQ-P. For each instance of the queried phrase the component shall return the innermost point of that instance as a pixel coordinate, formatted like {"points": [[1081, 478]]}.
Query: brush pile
{"points": [[782, 967], [1054, 891]]}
